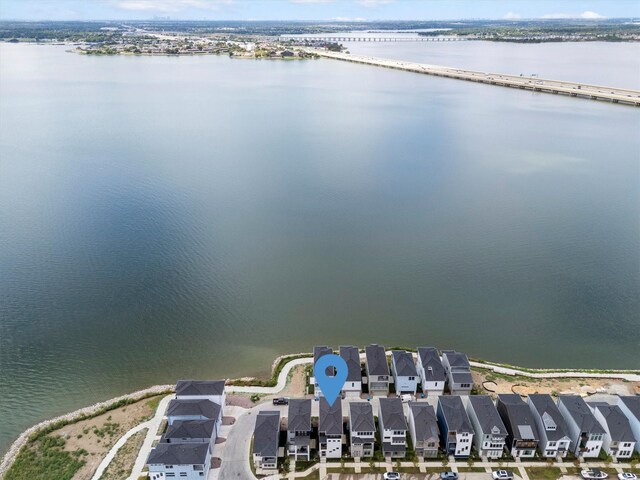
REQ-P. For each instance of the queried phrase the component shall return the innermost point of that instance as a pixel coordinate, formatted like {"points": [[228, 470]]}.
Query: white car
{"points": [[627, 476], [391, 476], [502, 475], [593, 474]]}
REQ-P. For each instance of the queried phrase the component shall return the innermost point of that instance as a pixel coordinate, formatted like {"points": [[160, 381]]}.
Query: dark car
{"points": [[281, 401]]}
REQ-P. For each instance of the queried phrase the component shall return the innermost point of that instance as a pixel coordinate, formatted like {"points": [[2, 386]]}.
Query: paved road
{"points": [[235, 464]]}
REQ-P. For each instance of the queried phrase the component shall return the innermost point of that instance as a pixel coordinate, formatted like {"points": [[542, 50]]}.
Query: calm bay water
{"points": [[163, 218]]}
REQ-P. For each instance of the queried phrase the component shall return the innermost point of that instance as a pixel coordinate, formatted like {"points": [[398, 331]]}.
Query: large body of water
{"points": [[163, 218]]}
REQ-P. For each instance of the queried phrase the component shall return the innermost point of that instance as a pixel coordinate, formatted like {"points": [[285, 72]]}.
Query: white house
{"points": [[393, 427], [202, 390], [318, 352], [266, 435], [490, 432], [377, 370], [522, 436], [458, 371], [362, 429], [552, 428], [456, 431], [430, 371], [618, 440], [190, 461], [405, 375], [423, 428], [587, 435], [630, 406], [299, 429], [353, 385], [330, 429]]}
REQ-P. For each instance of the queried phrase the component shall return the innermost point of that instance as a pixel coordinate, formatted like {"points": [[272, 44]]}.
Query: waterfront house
{"points": [[618, 440], [405, 375], [393, 427], [192, 410], [318, 352], [299, 429], [362, 429], [554, 440], [522, 436], [353, 385], [630, 406], [330, 429], [377, 370], [456, 431], [587, 435], [430, 371], [423, 428], [202, 389], [458, 371], [192, 431], [266, 436], [190, 461], [490, 432]]}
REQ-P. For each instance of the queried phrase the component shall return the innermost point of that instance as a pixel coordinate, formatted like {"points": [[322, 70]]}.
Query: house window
{"points": [[552, 444], [412, 378], [183, 474]]}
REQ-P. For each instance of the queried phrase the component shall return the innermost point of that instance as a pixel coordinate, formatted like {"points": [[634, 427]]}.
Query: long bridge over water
{"points": [[364, 38], [536, 84]]}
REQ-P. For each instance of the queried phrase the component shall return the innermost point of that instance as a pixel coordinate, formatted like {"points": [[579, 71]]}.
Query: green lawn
{"points": [[543, 473], [45, 459]]}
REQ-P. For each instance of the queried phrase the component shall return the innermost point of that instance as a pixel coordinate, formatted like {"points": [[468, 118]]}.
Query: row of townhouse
{"points": [[432, 371], [193, 424]]}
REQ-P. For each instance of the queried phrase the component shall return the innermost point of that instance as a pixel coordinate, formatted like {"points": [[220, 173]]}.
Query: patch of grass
{"points": [[471, 469], [46, 459], [544, 473], [122, 464]]}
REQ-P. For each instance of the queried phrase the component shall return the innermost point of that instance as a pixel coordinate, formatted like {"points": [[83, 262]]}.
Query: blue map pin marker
{"points": [[330, 384]]}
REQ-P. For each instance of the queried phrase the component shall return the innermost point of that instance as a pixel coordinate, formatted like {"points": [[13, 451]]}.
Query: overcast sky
{"points": [[347, 10]]}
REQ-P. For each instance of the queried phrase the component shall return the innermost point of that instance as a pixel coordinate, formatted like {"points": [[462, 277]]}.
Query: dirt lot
{"points": [[97, 435], [495, 383], [122, 464]]}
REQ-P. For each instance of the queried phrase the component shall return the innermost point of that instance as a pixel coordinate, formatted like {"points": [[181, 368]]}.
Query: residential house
{"points": [[202, 389], [630, 406], [587, 435], [456, 431], [318, 352], [353, 385], [330, 429], [362, 429], [393, 427], [192, 431], [266, 436], [430, 371], [553, 433], [618, 440], [490, 432], [299, 429], [458, 371], [190, 461], [377, 370], [192, 410], [522, 437], [423, 428], [405, 375]]}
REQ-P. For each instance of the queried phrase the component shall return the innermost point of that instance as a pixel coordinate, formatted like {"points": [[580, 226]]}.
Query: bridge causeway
{"points": [[536, 84], [343, 38]]}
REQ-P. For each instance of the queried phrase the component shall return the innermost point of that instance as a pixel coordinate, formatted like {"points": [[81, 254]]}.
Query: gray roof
{"points": [[321, 351], [456, 359], [429, 358], [361, 416], [193, 408], [404, 363], [549, 412], [455, 414], [392, 414], [376, 360], [299, 415], [633, 404], [351, 356], [487, 415], [200, 387], [617, 423], [190, 429], [462, 377], [581, 413], [179, 454], [424, 419], [517, 417], [330, 419], [266, 434]]}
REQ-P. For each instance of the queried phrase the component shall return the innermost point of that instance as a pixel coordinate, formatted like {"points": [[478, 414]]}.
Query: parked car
{"points": [[502, 475], [391, 476], [593, 474], [406, 398], [281, 401], [448, 476], [627, 476]]}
